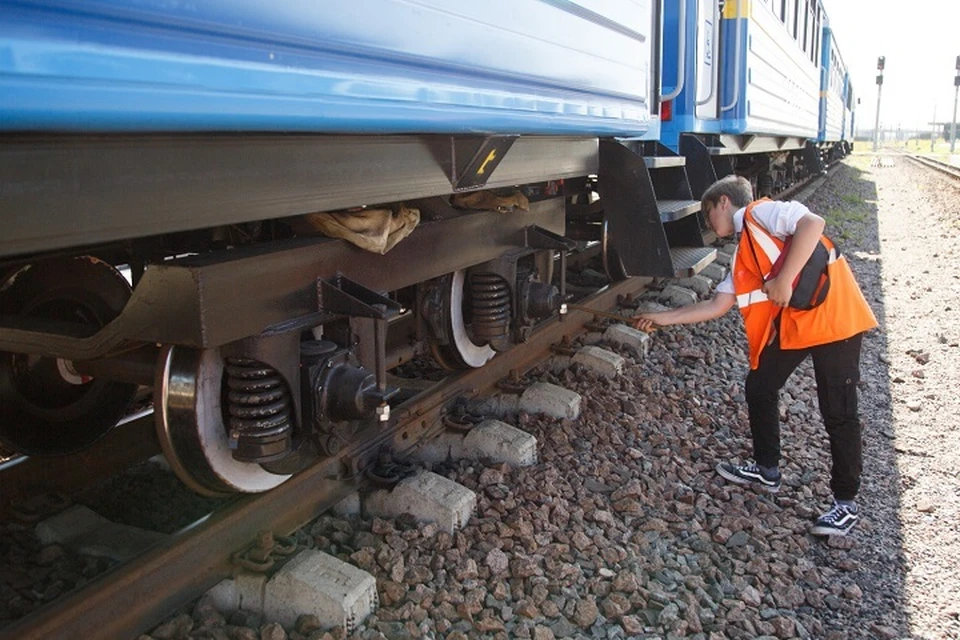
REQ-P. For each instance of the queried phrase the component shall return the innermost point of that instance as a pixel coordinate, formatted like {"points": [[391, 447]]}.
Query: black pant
{"points": [[837, 368]]}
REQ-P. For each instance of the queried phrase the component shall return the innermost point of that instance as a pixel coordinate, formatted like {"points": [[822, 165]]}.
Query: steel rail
{"points": [[939, 165], [136, 596]]}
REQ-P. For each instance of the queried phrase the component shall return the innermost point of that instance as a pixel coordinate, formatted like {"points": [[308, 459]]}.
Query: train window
{"points": [[796, 19], [806, 26], [816, 42], [819, 28]]}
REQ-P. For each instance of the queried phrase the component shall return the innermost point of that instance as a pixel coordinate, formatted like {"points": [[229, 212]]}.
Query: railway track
{"points": [[196, 558], [938, 165]]}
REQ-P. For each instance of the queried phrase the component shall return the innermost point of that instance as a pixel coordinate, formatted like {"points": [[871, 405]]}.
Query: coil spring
{"points": [[257, 399], [490, 296]]}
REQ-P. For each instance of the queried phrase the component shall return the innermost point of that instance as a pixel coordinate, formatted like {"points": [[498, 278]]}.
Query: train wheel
{"points": [[189, 419], [461, 350], [46, 408], [612, 263]]}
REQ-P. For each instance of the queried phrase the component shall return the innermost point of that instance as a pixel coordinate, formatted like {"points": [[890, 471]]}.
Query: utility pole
{"points": [[933, 131], [881, 61], [956, 89]]}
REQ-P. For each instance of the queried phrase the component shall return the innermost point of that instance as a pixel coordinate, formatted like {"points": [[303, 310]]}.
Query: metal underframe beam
{"points": [[213, 299], [77, 190], [742, 144]]}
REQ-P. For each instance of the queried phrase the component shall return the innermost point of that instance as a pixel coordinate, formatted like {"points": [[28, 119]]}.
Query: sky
{"points": [[921, 42]]}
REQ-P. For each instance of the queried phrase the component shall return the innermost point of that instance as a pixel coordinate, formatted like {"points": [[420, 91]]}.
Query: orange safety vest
{"points": [[844, 312]]}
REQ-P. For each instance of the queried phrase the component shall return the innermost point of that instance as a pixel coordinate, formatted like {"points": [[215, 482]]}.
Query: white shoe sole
{"points": [[818, 530], [727, 475]]}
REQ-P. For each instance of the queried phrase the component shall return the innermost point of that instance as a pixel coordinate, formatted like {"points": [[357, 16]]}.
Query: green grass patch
{"points": [[838, 216], [852, 198]]}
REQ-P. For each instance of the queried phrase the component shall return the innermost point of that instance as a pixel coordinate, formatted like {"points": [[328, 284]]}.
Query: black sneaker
{"points": [[748, 474], [836, 522]]}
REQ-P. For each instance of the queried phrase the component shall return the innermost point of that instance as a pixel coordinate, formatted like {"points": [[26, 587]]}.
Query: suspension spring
{"points": [[259, 409], [490, 295]]}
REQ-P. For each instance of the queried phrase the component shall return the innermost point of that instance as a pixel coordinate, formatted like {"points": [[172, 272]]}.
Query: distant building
{"points": [[944, 128]]}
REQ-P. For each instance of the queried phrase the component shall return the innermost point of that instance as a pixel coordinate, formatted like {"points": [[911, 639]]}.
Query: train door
{"points": [[708, 58]]}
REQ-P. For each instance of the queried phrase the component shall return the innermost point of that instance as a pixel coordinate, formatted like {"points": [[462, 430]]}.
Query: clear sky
{"points": [[921, 41]]}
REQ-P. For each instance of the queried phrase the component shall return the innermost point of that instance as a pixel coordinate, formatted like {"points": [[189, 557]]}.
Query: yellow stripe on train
{"points": [[737, 9]]}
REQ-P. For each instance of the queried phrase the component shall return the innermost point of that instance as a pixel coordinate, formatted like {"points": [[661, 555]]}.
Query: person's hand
{"points": [[644, 322], [778, 290]]}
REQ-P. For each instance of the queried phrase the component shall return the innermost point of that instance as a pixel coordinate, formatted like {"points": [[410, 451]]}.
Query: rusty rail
{"points": [[943, 167]]}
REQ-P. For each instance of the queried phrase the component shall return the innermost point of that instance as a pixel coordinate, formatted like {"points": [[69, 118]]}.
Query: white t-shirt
{"points": [[778, 218]]}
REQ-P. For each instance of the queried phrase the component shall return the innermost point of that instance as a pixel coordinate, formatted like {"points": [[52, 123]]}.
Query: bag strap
{"points": [[747, 218]]}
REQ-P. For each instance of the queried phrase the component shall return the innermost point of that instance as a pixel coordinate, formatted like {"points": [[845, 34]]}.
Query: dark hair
{"points": [[737, 188]]}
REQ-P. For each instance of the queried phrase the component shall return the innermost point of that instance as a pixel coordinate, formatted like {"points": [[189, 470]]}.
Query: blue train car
{"points": [[742, 88], [187, 190], [833, 89], [837, 103], [751, 74], [690, 70], [773, 85], [849, 115], [367, 66], [158, 157]]}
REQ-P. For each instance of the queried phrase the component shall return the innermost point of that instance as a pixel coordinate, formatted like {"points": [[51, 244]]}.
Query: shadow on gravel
{"points": [[848, 202]]}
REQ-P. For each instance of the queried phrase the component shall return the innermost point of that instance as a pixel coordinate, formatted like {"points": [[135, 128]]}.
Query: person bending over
{"points": [[780, 337]]}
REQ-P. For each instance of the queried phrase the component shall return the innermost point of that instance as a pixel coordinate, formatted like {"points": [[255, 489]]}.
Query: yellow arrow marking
{"points": [[490, 157]]}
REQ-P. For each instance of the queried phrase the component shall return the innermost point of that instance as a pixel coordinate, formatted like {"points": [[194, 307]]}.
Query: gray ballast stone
{"points": [[490, 440], [242, 592], [499, 442], [698, 283], [723, 259], [605, 363], [428, 497], [551, 400], [91, 534], [316, 583], [437, 449], [501, 404], [678, 296], [349, 506], [626, 336], [648, 306], [591, 337], [559, 363], [714, 271]]}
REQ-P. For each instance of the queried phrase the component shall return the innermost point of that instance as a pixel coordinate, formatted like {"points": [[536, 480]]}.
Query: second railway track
{"points": [[938, 165]]}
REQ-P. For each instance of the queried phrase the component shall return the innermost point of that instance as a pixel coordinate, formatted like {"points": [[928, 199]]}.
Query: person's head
{"points": [[724, 198]]}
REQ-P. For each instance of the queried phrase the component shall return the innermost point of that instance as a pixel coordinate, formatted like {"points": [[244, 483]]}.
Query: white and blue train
{"points": [[171, 173], [751, 80]]}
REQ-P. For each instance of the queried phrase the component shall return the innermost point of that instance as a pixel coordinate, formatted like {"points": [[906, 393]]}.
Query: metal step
{"points": [[671, 210], [689, 261], [663, 162]]}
